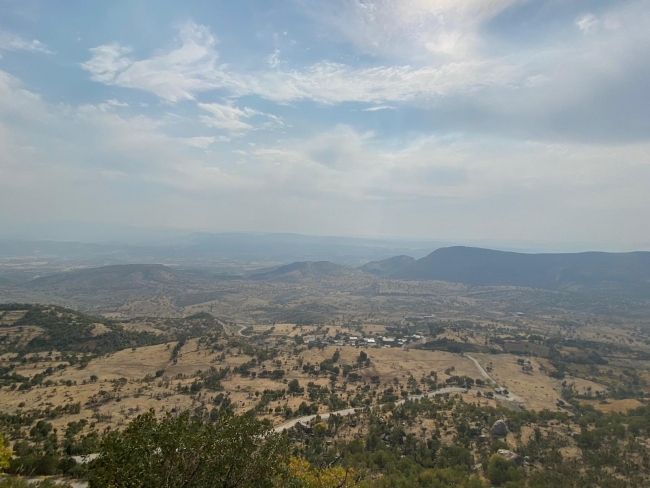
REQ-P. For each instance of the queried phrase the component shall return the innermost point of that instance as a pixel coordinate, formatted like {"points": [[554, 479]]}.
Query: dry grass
{"points": [[619, 406], [537, 389]]}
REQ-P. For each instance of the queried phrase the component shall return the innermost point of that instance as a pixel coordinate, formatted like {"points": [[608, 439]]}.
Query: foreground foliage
{"points": [[179, 451]]}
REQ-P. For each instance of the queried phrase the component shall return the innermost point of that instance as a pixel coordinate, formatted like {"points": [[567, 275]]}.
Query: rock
{"points": [[510, 456], [500, 428]]}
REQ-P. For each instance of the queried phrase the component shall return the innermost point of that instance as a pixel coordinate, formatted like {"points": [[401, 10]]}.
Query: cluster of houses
{"points": [[365, 341]]}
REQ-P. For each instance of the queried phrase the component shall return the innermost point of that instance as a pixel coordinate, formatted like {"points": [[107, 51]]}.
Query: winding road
{"points": [[349, 411], [511, 396], [452, 389], [480, 368]]}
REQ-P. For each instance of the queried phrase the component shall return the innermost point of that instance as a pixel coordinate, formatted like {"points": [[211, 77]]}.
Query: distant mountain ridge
{"points": [[587, 271], [122, 276], [590, 272], [308, 270]]}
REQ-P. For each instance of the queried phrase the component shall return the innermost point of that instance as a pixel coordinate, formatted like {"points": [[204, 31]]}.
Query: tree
{"points": [[5, 454], [233, 451], [320, 429], [306, 476], [500, 470], [294, 387], [451, 456]]}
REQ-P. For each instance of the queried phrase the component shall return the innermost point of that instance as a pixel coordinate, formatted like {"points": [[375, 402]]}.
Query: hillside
{"points": [[387, 267], [589, 271], [309, 271], [37, 328], [117, 277]]}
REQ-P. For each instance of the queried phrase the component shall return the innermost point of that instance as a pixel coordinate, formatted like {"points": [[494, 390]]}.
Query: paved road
{"points": [[481, 369], [452, 389], [511, 396], [349, 411], [229, 330]]}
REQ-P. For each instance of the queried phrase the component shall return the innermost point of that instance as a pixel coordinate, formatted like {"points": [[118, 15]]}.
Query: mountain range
{"points": [[587, 271]]}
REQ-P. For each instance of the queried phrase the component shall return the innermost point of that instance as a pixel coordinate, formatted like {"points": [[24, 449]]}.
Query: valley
{"points": [[315, 344]]}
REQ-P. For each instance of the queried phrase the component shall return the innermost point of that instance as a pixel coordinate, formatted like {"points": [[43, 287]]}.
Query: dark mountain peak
{"points": [[576, 271]]}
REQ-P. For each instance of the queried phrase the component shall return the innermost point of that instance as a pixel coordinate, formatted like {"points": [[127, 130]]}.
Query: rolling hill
{"points": [[588, 271], [387, 267], [117, 277], [309, 271]]}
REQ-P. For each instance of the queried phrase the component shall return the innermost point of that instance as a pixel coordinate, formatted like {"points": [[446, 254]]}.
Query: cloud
{"points": [[111, 104], [201, 142], [193, 68], [330, 83], [18, 102], [336, 180], [107, 61], [274, 59], [408, 29], [227, 116], [521, 88], [588, 23], [458, 181], [174, 76], [12, 42], [494, 132], [378, 107]]}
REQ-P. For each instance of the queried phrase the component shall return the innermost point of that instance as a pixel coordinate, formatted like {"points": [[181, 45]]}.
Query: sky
{"points": [[521, 120]]}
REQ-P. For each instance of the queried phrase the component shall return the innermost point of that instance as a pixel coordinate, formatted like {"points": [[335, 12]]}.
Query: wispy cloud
{"points": [[193, 68], [473, 105], [378, 107], [174, 76], [12, 42], [229, 117], [201, 142], [409, 29]]}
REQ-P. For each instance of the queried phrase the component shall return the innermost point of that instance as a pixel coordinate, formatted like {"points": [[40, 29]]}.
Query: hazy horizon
{"points": [[118, 234]]}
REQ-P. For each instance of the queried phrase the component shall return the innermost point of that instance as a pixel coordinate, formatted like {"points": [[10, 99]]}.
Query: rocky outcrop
{"points": [[511, 456], [500, 428]]}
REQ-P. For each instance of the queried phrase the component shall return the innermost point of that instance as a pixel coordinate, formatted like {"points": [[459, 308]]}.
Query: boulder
{"points": [[500, 428], [511, 456]]}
